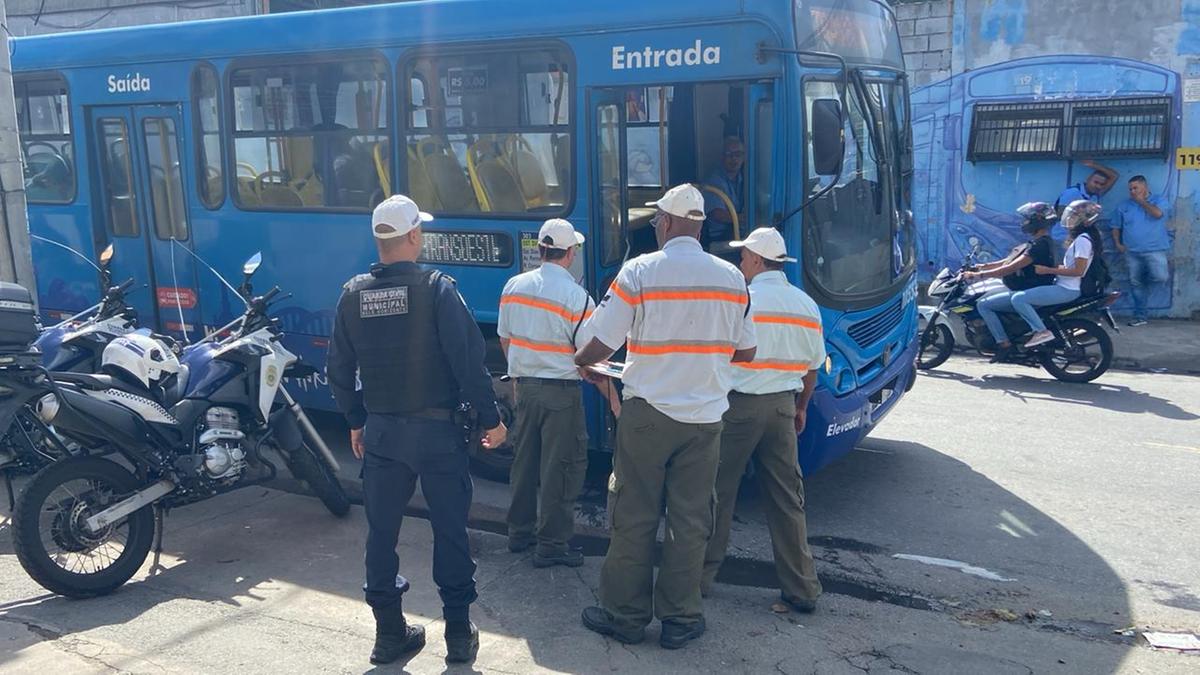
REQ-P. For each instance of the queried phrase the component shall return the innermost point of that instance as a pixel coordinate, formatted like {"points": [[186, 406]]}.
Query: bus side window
{"points": [[488, 131], [206, 115], [43, 121], [312, 135]]}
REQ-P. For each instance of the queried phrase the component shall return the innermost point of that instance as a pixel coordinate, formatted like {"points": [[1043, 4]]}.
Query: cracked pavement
{"points": [[993, 467]]}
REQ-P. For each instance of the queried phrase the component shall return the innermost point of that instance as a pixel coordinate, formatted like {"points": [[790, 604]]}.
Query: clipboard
{"points": [[613, 369]]}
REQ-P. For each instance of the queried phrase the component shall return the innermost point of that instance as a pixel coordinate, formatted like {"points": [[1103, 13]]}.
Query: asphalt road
{"points": [[1075, 505]]}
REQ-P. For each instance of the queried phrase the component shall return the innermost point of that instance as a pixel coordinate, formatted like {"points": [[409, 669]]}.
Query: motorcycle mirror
{"points": [[106, 256], [252, 264]]}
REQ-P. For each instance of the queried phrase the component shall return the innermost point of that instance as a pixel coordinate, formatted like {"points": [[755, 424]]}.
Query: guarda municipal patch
{"points": [[379, 302]]}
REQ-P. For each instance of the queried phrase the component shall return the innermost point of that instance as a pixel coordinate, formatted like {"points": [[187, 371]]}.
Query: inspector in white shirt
{"points": [[542, 313]]}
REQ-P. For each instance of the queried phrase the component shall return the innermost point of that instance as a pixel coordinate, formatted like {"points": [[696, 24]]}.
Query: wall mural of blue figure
{"points": [[957, 202]]}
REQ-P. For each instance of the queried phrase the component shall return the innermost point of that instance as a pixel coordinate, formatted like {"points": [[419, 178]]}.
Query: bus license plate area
{"points": [[880, 398]]}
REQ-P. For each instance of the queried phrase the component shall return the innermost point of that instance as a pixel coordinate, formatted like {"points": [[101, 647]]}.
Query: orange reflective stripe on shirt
{"points": [[545, 305], [693, 293], [658, 348], [534, 345], [787, 319], [621, 293], [786, 366]]}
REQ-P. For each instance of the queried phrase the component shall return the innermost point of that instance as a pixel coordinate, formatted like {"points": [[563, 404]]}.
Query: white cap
{"points": [[562, 234], [684, 201], [396, 216], [767, 242]]}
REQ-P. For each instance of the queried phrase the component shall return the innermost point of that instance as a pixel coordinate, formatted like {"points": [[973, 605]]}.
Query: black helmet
{"points": [[1036, 216]]}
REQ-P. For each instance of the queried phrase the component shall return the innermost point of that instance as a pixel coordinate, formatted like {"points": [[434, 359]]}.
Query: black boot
{"points": [[393, 636], [462, 642]]}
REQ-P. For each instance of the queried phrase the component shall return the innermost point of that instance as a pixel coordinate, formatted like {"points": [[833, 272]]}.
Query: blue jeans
{"points": [[1147, 271], [1026, 302], [992, 305]]}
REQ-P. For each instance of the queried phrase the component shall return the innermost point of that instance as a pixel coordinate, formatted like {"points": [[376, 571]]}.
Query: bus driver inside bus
{"points": [[727, 178]]}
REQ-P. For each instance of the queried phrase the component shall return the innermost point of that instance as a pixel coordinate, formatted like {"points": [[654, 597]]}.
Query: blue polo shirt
{"points": [[1139, 232]]}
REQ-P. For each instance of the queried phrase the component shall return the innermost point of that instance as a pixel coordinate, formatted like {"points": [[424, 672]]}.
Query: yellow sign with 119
{"points": [[1187, 158]]}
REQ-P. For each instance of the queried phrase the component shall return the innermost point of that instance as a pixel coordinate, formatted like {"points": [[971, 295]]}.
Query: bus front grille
{"points": [[869, 331]]}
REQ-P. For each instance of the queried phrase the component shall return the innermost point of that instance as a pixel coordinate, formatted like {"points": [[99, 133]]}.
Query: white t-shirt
{"points": [[1080, 248]]}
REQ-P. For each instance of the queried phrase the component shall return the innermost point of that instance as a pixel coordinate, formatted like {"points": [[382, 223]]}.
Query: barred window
{"points": [[1011, 130], [1070, 129]]}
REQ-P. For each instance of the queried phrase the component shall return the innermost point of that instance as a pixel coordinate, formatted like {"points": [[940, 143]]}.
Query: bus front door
{"points": [[141, 208]]}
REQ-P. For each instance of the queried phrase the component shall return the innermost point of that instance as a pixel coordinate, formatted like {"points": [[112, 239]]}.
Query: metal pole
{"points": [[16, 261]]}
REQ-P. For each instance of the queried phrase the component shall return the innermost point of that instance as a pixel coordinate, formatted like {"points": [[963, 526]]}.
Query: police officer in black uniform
{"points": [[407, 335]]}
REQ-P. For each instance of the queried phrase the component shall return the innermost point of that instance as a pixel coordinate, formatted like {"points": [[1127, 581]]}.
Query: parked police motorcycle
{"points": [[1080, 352], [191, 428], [75, 344]]}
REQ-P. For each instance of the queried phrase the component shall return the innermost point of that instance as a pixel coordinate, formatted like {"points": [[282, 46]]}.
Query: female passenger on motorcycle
{"points": [[1083, 246], [1017, 270]]}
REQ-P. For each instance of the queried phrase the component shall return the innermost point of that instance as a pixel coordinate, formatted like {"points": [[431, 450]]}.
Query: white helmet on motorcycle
{"points": [[140, 357]]}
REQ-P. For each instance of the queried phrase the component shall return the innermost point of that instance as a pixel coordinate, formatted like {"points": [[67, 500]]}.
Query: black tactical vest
{"points": [[391, 315]]}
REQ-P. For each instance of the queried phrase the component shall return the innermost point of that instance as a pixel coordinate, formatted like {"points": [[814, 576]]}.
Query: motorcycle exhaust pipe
{"points": [[309, 430]]}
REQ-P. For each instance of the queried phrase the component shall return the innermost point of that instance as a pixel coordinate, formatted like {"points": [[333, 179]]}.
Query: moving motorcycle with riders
{"points": [[1080, 351]]}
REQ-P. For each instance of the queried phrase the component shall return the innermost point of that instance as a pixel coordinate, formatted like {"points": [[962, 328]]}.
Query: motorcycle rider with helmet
{"points": [[1017, 270]]}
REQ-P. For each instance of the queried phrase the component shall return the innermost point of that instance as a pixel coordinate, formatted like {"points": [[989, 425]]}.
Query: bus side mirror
{"points": [[828, 140]]}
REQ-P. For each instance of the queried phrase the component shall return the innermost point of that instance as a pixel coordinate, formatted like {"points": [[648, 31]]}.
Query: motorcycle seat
{"points": [[95, 382]]}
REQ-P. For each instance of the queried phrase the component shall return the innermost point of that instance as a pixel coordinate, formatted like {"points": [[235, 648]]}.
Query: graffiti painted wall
{"points": [[1074, 52]]}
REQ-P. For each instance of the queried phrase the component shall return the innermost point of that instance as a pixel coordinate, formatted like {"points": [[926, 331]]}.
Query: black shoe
{"points": [[393, 636], [1137, 322], [675, 635], [800, 605], [570, 558], [520, 544], [462, 642], [599, 620], [1001, 355]]}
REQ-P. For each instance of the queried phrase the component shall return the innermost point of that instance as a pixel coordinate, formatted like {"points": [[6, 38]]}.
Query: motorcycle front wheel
{"points": [[1085, 354], [937, 343], [54, 544], [307, 466]]}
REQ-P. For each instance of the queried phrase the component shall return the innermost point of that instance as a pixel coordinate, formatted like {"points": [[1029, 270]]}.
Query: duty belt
{"points": [[547, 381], [440, 414]]}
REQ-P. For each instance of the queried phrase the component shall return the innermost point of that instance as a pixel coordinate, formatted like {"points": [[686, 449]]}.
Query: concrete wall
{"points": [[1037, 50], [34, 17]]}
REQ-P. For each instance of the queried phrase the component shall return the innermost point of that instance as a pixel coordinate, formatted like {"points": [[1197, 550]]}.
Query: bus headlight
{"points": [[839, 375]]}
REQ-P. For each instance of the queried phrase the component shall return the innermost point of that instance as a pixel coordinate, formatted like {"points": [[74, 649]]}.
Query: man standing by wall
{"points": [[684, 315], [1139, 230], [541, 312], [767, 409], [1101, 180]]}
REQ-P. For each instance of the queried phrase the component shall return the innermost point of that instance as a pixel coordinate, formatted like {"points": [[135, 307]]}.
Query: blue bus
{"points": [[279, 133]]}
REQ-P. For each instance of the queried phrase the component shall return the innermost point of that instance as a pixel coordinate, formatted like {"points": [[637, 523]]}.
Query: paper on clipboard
{"points": [[614, 369]]}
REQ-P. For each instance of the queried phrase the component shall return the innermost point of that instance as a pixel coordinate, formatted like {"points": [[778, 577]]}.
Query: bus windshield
{"points": [[854, 242], [857, 30]]}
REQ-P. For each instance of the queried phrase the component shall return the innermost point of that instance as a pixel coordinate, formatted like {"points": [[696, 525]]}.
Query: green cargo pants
{"points": [[762, 428], [550, 462], [658, 457]]}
